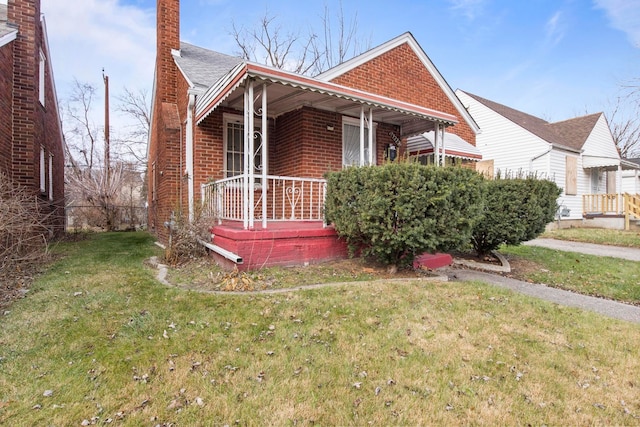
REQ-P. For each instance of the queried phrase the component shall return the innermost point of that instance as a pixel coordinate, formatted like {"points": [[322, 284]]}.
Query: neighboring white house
{"points": [[578, 154], [631, 177]]}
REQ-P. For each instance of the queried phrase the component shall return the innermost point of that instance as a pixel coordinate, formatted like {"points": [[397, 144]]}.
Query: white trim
{"points": [[50, 176], [8, 38], [42, 94], [43, 170], [424, 58], [189, 154], [351, 121]]}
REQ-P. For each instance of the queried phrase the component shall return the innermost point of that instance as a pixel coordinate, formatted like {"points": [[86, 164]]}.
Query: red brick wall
{"points": [[400, 74], [35, 125], [166, 139], [6, 103]]}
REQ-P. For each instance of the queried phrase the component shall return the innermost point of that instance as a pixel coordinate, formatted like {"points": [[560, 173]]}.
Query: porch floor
{"points": [[288, 243]]}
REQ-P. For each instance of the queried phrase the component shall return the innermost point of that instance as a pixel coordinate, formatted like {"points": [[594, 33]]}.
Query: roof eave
{"points": [[8, 38], [218, 92]]}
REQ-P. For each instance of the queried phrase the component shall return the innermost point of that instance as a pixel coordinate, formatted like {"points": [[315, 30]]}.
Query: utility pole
{"points": [[107, 163]]}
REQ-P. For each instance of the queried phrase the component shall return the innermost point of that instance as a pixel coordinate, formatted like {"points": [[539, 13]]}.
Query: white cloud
{"points": [[554, 28], [89, 35], [623, 15], [470, 9], [86, 36]]}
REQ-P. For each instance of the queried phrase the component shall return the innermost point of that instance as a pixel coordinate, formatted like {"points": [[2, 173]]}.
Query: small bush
{"points": [[515, 210], [24, 236], [185, 236], [396, 211]]}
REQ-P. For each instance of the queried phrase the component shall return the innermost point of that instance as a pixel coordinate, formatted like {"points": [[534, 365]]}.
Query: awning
{"points": [[589, 162], [454, 146]]}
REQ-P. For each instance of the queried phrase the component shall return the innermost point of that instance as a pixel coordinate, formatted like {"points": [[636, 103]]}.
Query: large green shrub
{"points": [[396, 211], [515, 210]]}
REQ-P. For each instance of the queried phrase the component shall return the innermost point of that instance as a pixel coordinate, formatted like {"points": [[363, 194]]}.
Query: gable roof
{"points": [[8, 32], [307, 90], [567, 134], [574, 132], [203, 67], [407, 38]]}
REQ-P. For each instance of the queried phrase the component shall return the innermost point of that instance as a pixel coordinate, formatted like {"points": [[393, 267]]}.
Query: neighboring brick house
{"points": [[31, 141], [265, 186]]}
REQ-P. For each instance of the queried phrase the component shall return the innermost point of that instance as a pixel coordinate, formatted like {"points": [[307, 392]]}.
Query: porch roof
{"points": [[589, 162], [454, 146], [288, 91]]}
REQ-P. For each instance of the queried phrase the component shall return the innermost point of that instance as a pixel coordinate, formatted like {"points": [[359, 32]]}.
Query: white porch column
{"points": [[362, 136], [444, 148], [436, 142], [265, 147], [250, 156], [370, 142], [245, 174]]}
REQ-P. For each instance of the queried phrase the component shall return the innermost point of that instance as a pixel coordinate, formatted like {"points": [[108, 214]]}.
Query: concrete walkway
{"points": [[632, 254], [613, 309]]}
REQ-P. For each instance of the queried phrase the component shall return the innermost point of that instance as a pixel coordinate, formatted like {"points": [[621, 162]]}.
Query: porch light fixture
{"points": [[330, 128]]}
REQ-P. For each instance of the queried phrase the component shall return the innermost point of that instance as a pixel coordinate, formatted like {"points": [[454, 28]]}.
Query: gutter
{"points": [[221, 251], [189, 154]]}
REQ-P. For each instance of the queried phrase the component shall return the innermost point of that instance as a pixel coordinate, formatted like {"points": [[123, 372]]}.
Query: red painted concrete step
{"points": [[432, 261]]}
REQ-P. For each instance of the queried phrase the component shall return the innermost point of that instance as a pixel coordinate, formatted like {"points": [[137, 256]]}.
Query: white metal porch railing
{"points": [[287, 199]]}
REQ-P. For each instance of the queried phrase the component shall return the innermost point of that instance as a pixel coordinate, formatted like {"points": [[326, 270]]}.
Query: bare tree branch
{"points": [[269, 44]]}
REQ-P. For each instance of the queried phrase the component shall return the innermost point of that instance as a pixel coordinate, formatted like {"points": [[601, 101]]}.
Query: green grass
{"points": [[111, 343], [601, 236], [606, 277]]}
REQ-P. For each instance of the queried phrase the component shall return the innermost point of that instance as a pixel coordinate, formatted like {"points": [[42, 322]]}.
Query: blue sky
{"points": [[552, 58]]}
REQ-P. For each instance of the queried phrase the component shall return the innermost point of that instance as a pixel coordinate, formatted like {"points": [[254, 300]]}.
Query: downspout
{"points": [[189, 155], [534, 158]]}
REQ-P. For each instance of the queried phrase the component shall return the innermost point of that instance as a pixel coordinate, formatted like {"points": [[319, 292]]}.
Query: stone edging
{"points": [[504, 268], [163, 270]]}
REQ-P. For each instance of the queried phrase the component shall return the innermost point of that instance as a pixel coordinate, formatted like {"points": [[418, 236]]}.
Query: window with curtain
{"points": [[351, 143]]}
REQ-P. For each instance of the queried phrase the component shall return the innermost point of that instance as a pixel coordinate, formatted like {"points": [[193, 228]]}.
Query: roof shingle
{"points": [[571, 133]]}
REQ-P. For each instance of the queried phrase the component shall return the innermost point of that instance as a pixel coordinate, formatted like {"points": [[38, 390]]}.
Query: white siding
{"points": [[512, 148], [600, 142], [631, 182]]}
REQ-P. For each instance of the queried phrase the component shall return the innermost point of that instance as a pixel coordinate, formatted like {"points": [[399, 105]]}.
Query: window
{"points": [[41, 88], [571, 184], [234, 146], [43, 171], [50, 176], [351, 143], [154, 180]]}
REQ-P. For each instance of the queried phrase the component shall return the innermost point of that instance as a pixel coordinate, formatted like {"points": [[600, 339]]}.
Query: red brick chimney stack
{"points": [[168, 39]]}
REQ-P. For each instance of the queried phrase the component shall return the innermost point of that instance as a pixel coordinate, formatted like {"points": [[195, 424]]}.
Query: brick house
{"points": [[265, 187], [31, 150]]}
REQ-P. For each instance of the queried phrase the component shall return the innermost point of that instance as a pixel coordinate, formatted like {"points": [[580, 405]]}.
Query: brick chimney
{"points": [[25, 14], [167, 39]]}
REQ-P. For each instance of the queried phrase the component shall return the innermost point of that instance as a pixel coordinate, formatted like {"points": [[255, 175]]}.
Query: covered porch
{"points": [[268, 207], [608, 197]]}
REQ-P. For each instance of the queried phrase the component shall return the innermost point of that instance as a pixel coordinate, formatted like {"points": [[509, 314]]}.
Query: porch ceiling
{"points": [[287, 92]]}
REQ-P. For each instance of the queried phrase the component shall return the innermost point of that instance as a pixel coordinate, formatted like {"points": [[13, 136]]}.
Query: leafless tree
{"points": [[313, 53], [81, 133], [624, 120], [104, 191], [136, 106]]}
